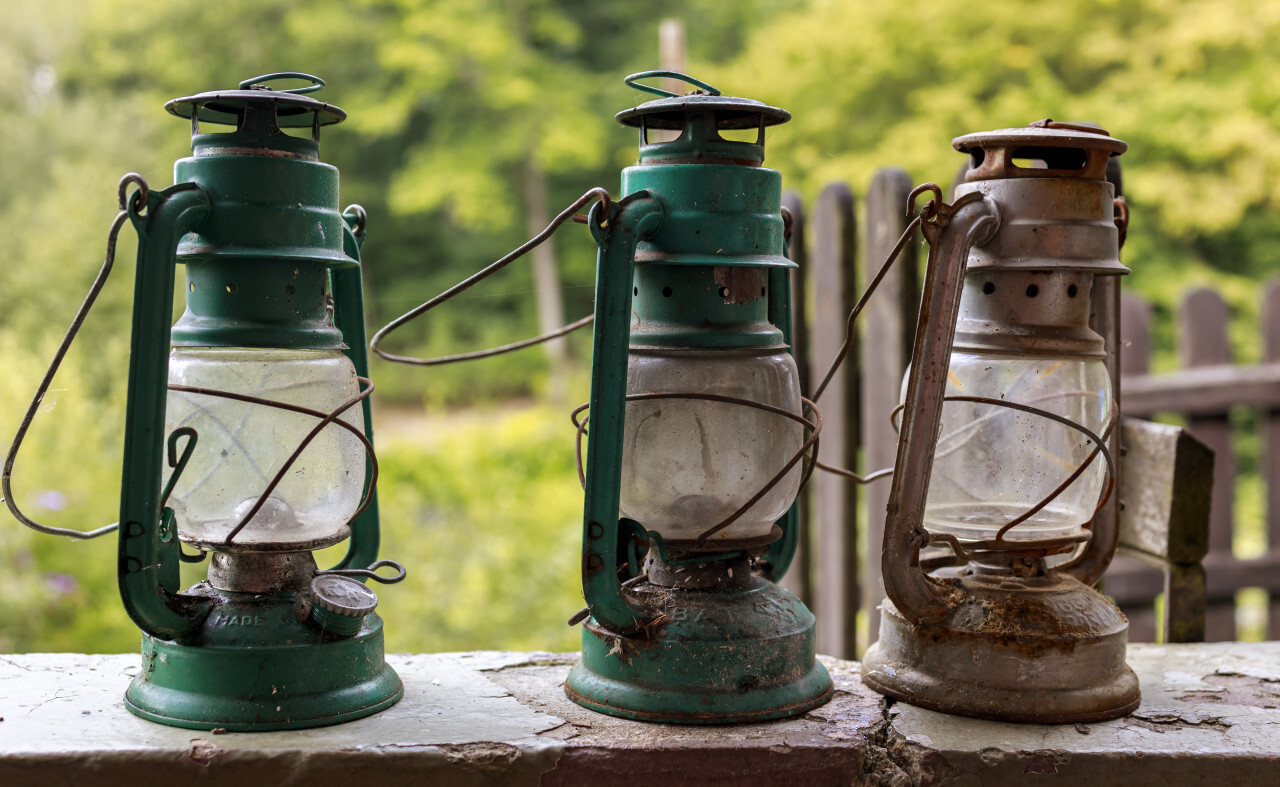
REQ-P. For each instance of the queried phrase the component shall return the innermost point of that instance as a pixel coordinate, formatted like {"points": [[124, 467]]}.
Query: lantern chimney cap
{"points": [[292, 108], [672, 110], [1057, 150]]}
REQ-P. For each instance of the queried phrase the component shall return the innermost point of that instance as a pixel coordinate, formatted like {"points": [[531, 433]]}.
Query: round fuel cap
{"points": [[339, 604]]}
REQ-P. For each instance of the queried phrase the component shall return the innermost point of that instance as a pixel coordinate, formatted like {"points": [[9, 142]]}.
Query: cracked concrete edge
{"points": [[858, 738], [466, 765], [827, 746], [895, 760], [1210, 713], [451, 697]]}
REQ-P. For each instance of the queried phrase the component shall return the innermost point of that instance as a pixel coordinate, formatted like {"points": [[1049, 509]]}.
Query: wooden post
{"points": [[836, 596], [1271, 449], [671, 51], [671, 57], [799, 579], [887, 327], [1135, 338], [1203, 328], [546, 278], [1135, 335], [1167, 481]]}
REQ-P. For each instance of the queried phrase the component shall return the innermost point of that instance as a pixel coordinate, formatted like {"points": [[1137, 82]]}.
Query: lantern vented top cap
{"points": [[1044, 149], [672, 110], [293, 109]]}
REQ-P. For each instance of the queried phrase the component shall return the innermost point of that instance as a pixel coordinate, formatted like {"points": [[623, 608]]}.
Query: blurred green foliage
{"points": [[450, 106], [487, 512], [1189, 84]]}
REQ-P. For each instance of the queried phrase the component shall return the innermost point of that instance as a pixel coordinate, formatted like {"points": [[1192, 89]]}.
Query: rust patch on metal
{"points": [[253, 151], [738, 284]]}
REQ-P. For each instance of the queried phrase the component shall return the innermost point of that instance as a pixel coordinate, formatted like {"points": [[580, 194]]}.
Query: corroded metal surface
{"points": [[1044, 649], [742, 651], [1061, 224], [259, 572], [1042, 149]]}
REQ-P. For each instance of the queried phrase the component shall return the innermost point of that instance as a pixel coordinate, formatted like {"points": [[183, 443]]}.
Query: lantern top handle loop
{"points": [[705, 105], [257, 83], [632, 81]]}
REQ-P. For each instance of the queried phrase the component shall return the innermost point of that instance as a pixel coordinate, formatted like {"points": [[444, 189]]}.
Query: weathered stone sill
{"points": [[1210, 715]]}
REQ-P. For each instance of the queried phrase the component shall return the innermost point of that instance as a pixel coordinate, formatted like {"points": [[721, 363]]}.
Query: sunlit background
{"points": [[468, 123]]}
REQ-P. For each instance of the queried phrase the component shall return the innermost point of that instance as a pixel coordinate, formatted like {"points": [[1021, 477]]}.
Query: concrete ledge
{"points": [[1210, 714]]}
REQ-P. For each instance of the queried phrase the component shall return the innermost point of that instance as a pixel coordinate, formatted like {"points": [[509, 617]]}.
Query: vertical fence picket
{"points": [[887, 327], [1203, 332], [836, 592], [1271, 447], [1135, 336], [799, 579]]}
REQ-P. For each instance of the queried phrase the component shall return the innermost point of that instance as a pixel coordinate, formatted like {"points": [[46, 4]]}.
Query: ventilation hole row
{"points": [[667, 292], [1033, 290], [232, 287]]}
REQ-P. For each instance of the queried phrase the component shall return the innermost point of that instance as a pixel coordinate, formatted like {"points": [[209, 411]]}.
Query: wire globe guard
{"points": [[1046, 648]]}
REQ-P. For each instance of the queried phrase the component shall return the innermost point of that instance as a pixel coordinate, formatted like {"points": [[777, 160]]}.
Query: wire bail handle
{"points": [[601, 208], [631, 81], [131, 205], [259, 83]]}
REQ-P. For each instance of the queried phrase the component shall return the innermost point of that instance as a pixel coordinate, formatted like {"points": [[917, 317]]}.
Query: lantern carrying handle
{"points": [[618, 229], [348, 315], [258, 82], [631, 81], [149, 557], [952, 231]]}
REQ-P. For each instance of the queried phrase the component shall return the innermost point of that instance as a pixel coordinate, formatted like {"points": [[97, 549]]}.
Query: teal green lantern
{"points": [[258, 400], [696, 432]]}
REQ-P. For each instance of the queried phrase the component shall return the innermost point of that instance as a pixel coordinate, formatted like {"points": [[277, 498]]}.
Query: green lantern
{"points": [[696, 429], [259, 398]]}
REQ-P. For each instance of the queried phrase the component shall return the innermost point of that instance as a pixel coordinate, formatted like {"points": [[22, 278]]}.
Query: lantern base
{"points": [[717, 657], [256, 666], [1044, 649]]}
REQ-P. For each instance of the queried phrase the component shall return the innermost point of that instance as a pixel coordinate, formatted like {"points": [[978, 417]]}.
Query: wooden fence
{"points": [[838, 570], [1205, 392]]}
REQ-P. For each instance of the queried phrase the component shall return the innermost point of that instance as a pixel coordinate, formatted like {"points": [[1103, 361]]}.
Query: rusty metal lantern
{"points": [[991, 544]]}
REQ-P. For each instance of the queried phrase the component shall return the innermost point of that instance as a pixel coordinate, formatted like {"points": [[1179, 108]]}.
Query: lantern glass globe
{"points": [[994, 463], [241, 446], [688, 464]]}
